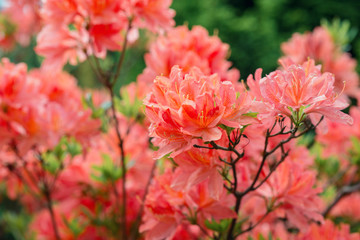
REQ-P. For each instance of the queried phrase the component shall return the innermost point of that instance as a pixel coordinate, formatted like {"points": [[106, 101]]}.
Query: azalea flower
{"points": [[320, 46], [76, 29], [19, 20], [300, 90], [187, 106], [329, 231], [188, 48], [290, 190]]}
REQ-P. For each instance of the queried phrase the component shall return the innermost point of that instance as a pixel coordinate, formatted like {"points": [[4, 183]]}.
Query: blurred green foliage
{"points": [[255, 29]]}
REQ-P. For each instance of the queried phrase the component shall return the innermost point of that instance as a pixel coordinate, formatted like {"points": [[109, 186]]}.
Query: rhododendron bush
{"points": [[187, 151]]}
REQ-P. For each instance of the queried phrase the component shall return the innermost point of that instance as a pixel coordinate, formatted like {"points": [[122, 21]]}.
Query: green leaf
{"points": [[341, 32], [97, 113], [8, 28], [316, 149], [251, 114], [270, 236], [261, 237], [226, 128], [218, 226], [72, 27], [355, 151], [51, 163], [329, 193], [213, 225], [53, 158], [238, 225], [74, 226], [298, 116], [88, 101], [107, 172], [16, 224], [332, 166], [73, 147], [130, 108], [306, 139]]}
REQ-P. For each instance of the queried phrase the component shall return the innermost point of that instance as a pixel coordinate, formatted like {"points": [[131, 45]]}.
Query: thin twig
{"points": [[96, 70], [122, 56], [345, 190], [251, 227], [139, 215], [49, 204], [266, 153], [122, 162]]}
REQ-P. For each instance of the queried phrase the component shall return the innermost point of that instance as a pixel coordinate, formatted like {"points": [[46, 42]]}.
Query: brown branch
{"points": [[49, 205], [109, 82], [122, 56], [46, 191], [110, 86], [266, 153], [135, 232], [122, 162], [97, 70], [252, 226], [344, 191]]}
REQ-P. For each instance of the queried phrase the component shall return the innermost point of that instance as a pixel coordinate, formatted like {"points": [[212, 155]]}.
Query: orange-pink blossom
{"points": [[75, 29], [320, 46], [188, 48], [187, 106], [300, 89]]}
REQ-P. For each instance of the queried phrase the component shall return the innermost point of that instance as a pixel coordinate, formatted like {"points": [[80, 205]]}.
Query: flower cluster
{"points": [[76, 29], [188, 48], [35, 111], [320, 46], [19, 20], [298, 90], [167, 209], [187, 106]]}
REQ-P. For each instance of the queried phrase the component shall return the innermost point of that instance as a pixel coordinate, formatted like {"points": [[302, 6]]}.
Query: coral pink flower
{"points": [[70, 182], [18, 96], [320, 46], [188, 48], [337, 140], [15, 89], [183, 107], [163, 209], [154, 15], [197, 165], [59, 45], [291, 190], [317, 45], [300, 89], [347, 207], [276, 230], [60, 11], [204, 206], [38, 111], [101, 12], [106, 37], [75, 29], [66, 212], [329, 231], [19, 21], [187, 231]]}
